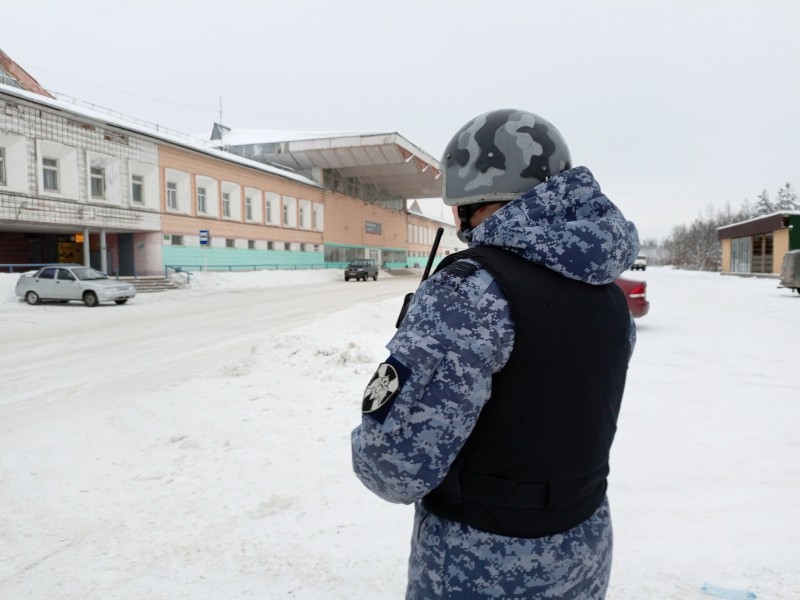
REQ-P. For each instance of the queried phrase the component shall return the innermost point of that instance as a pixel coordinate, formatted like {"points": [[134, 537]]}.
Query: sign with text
{"points": [[204, 237], [371, 227]]}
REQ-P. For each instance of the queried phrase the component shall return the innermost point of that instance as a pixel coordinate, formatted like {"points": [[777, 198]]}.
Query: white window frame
{"points": [[304, 209], [248, 208], [172, 195], [149, 175], [211, 186], [272, 209], [97, 183], [182, 201], [51, 170], [318, 218], [234, 207], [289, 218], [14, 162], [255, 196], [202, 197], [65, 170], [137, 182]]}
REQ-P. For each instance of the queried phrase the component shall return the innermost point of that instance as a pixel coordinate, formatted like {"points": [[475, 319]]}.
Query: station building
{"points": [[134, 199]]}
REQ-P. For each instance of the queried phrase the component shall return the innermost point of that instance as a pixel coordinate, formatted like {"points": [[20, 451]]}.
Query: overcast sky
{"points": [[674, 105]]}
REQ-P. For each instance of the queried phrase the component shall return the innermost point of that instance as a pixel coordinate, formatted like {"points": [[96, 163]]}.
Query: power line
{"points": [[205, 109]]}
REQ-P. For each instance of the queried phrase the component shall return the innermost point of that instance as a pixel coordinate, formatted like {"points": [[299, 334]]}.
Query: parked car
{"points": [[636, 295], [640, 263], [63, 283], [361, 268], [790, 271]]}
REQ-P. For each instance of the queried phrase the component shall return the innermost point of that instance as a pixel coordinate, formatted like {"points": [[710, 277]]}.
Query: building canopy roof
{"points": [[386, 160], [756, 226]]}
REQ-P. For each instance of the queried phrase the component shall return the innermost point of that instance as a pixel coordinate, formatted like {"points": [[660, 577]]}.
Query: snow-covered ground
{"points": [[195, 444]]}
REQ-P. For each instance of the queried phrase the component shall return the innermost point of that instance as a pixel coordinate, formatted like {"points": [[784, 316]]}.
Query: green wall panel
{"points": [[196, 258]]}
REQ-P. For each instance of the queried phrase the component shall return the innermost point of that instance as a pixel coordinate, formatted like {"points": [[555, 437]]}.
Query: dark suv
{"points": [[361, 268]]}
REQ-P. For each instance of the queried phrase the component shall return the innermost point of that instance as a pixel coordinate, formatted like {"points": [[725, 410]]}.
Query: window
{"points": [[354, 187], [98, 182], [50, 174], [172, 194], [319, 214], [305, 214], [762, 247], [289, 211], [272, 206], [137, 188], [65, 275], [226, 206], [740, 255], [251, 244], [270, 245], [177, 240], [248, 208], [201, 200], [230, 243], [2, 166]]}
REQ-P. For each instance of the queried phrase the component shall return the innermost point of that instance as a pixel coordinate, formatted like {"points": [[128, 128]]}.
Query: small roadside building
{"points": [[757, 246]]}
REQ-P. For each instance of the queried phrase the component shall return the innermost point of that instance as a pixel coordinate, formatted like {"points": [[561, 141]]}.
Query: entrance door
{"points": [[125, 247]]}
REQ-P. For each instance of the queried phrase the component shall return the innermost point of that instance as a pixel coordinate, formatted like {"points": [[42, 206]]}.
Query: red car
{"points": [[636, 295]]}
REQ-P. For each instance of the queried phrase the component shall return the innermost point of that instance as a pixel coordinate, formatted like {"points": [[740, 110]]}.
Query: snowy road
{"points": [[195, 444], [71, 358]]}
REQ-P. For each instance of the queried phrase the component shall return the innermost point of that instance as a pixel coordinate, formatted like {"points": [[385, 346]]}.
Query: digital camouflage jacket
{"points": [[424, 401]]}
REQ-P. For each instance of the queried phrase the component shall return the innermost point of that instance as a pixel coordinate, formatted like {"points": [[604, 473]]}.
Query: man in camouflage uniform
{"points": [[497, 406]]}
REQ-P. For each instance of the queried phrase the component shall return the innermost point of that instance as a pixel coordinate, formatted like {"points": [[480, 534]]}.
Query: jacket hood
{"points": [[565, 224]]}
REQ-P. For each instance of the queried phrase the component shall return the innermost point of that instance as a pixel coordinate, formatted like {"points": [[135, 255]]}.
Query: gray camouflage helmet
{"points": [[499, 155]]}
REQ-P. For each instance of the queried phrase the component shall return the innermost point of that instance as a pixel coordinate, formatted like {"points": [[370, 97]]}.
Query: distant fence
{"points": [[269, 267]]}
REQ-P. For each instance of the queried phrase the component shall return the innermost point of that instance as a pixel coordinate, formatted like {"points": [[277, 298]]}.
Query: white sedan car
{"points": [[73, 282]]}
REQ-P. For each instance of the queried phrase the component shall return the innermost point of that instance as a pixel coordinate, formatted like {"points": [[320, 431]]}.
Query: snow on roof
{"points": [[244, 137], [761, 217], [152, 130], [415, 209]]}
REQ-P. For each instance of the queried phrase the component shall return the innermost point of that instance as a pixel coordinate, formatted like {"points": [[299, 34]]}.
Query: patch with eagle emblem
{"points": [[383, 386]]}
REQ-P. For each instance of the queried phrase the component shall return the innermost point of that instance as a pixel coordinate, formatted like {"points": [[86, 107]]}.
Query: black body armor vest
{"points": [[537, 460]]}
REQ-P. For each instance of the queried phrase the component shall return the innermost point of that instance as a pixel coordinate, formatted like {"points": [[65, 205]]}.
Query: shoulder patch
{"points": [[467, 278], [383, 386], [461, 268]]}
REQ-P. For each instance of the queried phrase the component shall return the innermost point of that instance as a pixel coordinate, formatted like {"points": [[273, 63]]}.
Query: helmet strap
{"points": [[465, 212]]}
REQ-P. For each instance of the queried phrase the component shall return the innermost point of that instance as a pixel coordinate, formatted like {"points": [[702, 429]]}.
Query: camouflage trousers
{"points": [[450, 560]]}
